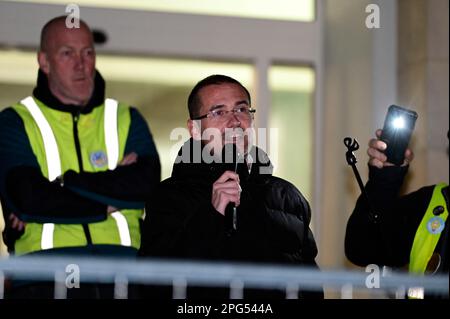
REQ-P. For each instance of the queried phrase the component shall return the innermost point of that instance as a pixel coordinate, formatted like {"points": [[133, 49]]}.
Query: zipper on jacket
{"points": [[75, 118]]}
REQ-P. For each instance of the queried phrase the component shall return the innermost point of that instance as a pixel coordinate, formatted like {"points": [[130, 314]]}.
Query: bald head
{"points": [[54, 26], [67, 58]]}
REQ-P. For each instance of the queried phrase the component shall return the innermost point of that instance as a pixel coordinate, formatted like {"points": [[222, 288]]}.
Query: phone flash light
{"points": [[398, 122]]}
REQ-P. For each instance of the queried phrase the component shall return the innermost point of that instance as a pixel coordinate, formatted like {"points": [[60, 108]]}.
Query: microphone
{"points": [[231, 155]]}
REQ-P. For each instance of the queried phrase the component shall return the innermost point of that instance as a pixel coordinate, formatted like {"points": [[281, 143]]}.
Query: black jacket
{"points": [[389, 241], [272, 223]]}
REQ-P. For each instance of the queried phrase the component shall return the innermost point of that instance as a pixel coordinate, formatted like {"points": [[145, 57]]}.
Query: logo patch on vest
{"points": [[98, 159], [435, 225]]}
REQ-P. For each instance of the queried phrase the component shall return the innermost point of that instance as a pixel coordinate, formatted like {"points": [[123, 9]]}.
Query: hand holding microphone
{"points": [[226, 190]]}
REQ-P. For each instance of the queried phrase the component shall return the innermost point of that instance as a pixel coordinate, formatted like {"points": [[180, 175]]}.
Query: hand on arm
{"points": [[128, 159], [127, 186], [133, 180], [16, 223]]}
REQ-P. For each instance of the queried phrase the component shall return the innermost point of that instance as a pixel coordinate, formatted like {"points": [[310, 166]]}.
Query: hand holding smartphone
{"points": [[397, 130]]}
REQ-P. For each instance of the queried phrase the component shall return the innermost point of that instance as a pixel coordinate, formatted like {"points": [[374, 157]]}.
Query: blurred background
{"points": [[318, 71]]}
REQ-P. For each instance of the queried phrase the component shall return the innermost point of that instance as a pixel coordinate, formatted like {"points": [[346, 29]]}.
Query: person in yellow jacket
{"points": [[75, 167], [411, 231]]}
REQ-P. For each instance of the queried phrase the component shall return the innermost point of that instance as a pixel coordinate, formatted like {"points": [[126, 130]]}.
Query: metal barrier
{"points": [[178, 273]]}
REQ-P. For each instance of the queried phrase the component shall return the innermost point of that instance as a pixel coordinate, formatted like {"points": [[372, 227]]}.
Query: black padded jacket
{"points": [[272, 220]]}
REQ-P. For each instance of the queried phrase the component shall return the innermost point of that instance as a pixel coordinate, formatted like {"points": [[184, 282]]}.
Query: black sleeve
{"points": [[280, 214], [126, 186], [38, 200], [387, 241], [140, 139], [180, 222], [23, 188]]}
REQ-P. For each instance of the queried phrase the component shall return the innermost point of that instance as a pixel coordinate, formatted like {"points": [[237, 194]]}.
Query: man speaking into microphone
{"points": [[221, 202]]}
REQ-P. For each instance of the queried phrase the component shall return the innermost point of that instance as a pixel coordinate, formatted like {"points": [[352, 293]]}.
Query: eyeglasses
{"points": [[242, 113]]}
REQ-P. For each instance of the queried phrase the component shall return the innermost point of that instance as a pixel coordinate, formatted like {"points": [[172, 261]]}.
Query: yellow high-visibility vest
{"points": [[51, 137]]}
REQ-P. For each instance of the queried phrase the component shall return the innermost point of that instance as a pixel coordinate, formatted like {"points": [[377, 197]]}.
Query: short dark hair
{"points": [[216, 79], [48, 26]]}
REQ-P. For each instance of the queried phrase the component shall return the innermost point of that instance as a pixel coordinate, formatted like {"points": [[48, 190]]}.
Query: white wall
{"points": [[360, 83]]}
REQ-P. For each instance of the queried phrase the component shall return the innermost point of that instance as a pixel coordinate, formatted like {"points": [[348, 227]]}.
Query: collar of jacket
{"points": [[43, 94], [188, 166]]}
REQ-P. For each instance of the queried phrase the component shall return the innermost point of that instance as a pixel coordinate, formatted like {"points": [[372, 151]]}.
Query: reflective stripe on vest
{"points": [[122, 225], [52, 158], [112, 149], [111, 135], [50, 146], [428, 232], [47, 236], [54, 162]]}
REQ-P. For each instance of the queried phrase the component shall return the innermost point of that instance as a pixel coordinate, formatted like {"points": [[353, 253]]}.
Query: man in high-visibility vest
{"points": [[411, 231], [75, 167]]}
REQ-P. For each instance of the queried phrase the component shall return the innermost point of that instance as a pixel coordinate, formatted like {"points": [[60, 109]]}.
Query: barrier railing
{"points": [[236, 276]]}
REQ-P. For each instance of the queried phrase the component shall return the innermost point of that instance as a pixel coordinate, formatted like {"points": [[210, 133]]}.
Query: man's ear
{"points": [[194, 129], [43, 62]]}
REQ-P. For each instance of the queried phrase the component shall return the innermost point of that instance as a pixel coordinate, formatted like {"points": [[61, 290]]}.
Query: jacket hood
{"points": [[42, 93]]}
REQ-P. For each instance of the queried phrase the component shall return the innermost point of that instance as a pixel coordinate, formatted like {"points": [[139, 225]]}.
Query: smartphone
{"points": [[397, 130]]}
